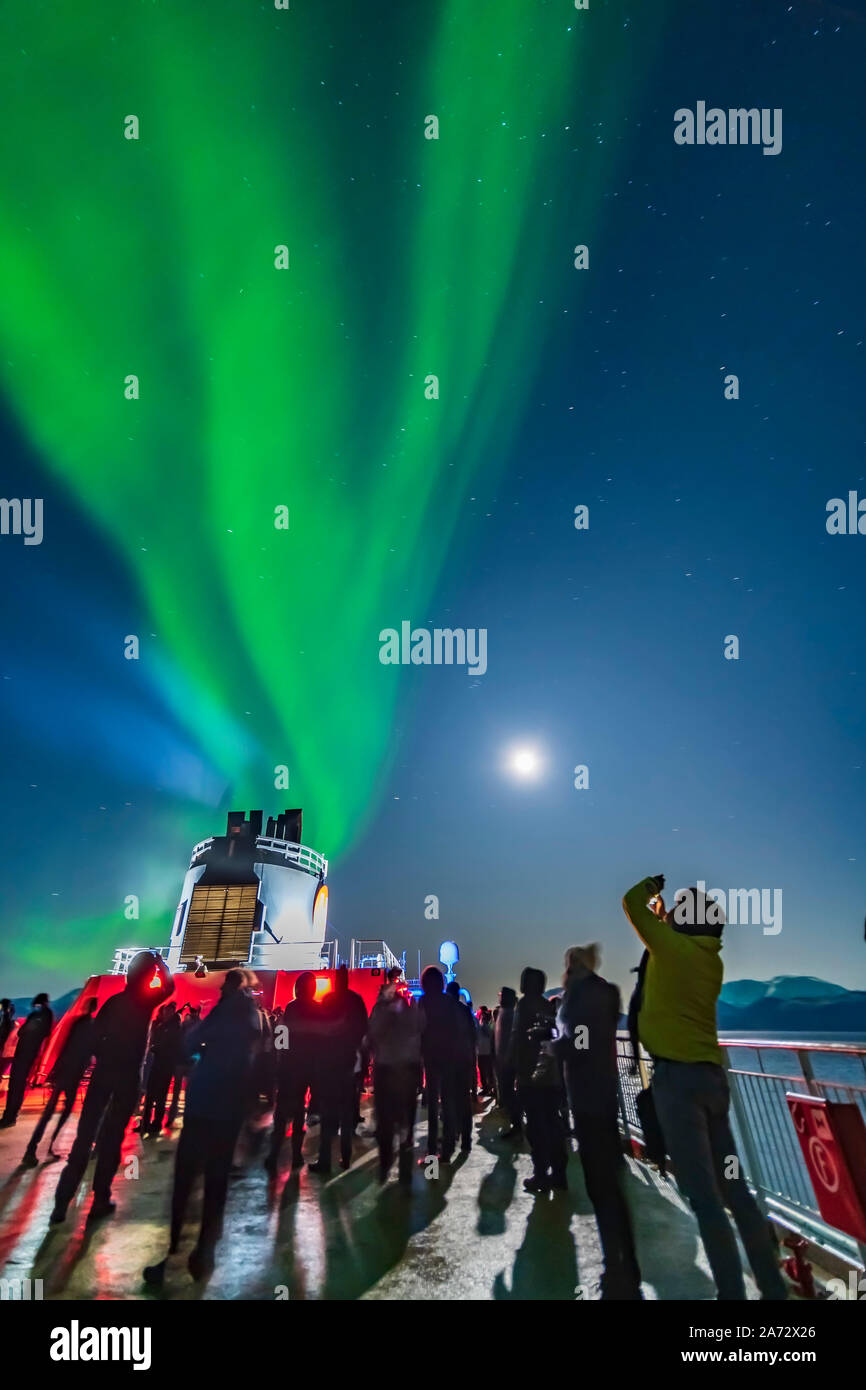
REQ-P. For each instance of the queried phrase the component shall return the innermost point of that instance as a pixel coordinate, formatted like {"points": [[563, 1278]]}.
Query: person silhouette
{"points": [[217, 1100], [32, 1037], [588, 1019], [297, 1039], [121, 1029], [65, 1079], [395, 1037], [345, 1015], [166, 1042], [7, 1023]]}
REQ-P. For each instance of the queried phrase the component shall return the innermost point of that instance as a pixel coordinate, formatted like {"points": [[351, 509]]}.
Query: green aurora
{"points": [[301, 387]]}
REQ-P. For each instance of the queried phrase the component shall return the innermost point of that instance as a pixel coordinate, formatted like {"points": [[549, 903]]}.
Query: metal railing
{"points": [[760, 1074], [376, 954], [329, 955], [300, 856], [124, 954]]}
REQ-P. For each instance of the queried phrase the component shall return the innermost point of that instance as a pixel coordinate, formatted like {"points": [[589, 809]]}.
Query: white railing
{"points": [[329, 955], [124, 954], [376, 954], [289, 955], [300, 855], [305, 858]]}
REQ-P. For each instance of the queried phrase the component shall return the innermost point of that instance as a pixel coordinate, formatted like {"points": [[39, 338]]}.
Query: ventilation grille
{"points": [[221, 922]]}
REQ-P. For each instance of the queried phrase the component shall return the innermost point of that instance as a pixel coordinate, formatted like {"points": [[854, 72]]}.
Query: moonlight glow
{"points": [[524, 762]]}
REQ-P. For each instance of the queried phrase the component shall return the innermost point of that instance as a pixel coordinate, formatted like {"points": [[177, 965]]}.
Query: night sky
{"points": [[558, 387]]}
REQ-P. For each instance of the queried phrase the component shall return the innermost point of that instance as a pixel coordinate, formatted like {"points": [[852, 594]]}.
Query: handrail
{"points": [[773, 1162], [124, 955], [794, 1046], [784, 1076], [357, 953], [306, 858], [310, 860]]}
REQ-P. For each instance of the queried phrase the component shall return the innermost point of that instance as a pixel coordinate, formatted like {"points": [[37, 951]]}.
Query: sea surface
{"points": [[857, 1039]]}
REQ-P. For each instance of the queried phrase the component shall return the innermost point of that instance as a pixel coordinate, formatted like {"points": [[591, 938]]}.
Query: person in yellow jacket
{"points": [[677, 1026]]}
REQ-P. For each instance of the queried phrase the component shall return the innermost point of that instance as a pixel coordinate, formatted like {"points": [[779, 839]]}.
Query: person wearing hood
{"points": [[588, 1020], [677, 1026], [217, 1099], [32, 1037], [120, 1041]]}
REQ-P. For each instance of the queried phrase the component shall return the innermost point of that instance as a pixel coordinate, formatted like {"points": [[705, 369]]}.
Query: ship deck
{"points": [[473, 1234]]}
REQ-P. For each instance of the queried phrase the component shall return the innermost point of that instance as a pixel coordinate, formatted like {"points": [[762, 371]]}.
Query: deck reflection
{"points": [[473, 1234]]}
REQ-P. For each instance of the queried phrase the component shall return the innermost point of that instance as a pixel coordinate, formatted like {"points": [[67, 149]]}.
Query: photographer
{"points": [[677, 1026]]}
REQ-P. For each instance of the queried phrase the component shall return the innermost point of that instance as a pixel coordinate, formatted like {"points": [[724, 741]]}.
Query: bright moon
{"points": [[524, 762]]}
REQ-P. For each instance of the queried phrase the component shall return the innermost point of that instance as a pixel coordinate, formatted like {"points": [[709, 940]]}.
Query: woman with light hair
{"points": [[588, 1020], [579, 958]]}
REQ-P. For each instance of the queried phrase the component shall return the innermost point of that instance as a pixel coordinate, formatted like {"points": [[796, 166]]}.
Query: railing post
{"points": [[805, 1062], [752, 1157], [626, 1128]]}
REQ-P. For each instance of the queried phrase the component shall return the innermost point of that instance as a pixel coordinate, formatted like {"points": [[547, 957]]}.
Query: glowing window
{"points": [[320, 910]]}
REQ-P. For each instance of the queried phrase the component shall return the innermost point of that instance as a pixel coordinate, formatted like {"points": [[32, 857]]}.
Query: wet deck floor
{"points": [[472, 1234]]}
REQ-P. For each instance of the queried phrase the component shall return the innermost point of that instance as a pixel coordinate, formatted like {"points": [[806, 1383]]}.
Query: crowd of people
{"points": [[547, 1059]]}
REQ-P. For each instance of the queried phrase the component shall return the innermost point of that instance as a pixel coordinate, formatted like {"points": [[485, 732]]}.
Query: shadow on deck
{"points": [[473, 1234]]}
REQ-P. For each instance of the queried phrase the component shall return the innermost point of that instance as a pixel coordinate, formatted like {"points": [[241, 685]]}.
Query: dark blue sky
{"points": [[707, 517]]}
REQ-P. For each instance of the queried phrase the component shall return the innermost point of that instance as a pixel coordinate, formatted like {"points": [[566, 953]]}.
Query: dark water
{"points": [[844, 1068]]}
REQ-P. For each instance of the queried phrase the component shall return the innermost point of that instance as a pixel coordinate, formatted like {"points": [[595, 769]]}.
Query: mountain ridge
{"points": [[791, 1003]]}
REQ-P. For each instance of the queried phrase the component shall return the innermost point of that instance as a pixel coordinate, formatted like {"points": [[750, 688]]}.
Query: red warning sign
{"points": [[833, 1139]]}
